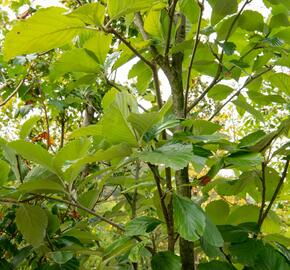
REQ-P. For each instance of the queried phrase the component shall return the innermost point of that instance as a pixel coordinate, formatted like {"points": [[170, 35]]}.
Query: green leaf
{"points": [[278, 20], [244, 213], [281, 81], [61, 257], [47, 29], [141, 225], [175, 156], [75, 60], [67, 157], [244, 159], [119, 8], [4, 171], [252, 139], [116, 128], [218, 211], [218, 265], [201, 127], [32, 222], [143, 122], [189, 219], [33, 152], [165, 260], [99, 44], [119, 247], [143, 75], [212, 235], [41, 186], [92, 13], [220, 92], [190, 8], [220, 9], [251, 21], [152, 23], [28, 126], [250, 109]]}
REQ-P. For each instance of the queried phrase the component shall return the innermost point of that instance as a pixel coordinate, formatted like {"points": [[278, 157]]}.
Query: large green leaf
{"points": [[75, 60], [220, 9], [33, 152], [116, 128], [92, 13], [212, 235], [118, 8], [244, 159], [4, 171], [251, 21], [218, 265], [67, 157], [189, 219], [41, 180], [47, 29], [28, 126], [143, 122], [220, 92], [250, 109], [218, 211], [32, 222], [141, 225], [99, 44], [190, 8], [143, 76], [281, 81], [165, 260], [176, 156]]}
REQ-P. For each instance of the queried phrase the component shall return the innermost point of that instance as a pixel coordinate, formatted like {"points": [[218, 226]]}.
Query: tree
{"points": [[160, 170]]}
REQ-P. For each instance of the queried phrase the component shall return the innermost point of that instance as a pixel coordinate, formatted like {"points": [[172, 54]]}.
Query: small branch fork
{"points": [[3, 103], [217, 78]]}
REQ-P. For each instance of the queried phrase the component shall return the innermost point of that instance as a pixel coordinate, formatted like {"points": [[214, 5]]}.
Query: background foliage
{"points": [[102, 173]]}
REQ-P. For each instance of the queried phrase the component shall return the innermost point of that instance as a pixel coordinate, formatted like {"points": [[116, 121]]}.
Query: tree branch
{"points": [[220, 60], [249, 80], [201, 6], [13, 93], [276, 192], [171, 18], [129, 45]]}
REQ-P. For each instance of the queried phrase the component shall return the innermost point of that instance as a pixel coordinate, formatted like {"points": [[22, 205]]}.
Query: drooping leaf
{"points": [[244, 159], [141, 225], [32, 222], [4, 171], [189, 219], [61, 257], [281, 81], [33, 152], [251, 21], [28, 126], [47, 29], [99, 44], [215, 265], [220, 92], [119, 8], [250, 109], [92, 13], [75, 60], [221, 9], [190, 8], [165, 259], [176, 156], [218, 211], [212, 235]]}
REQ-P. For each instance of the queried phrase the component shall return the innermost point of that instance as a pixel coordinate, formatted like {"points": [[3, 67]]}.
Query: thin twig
{"points": [[171, 19], [13, 93], [263, 203], [237, 93], [129, 45], [201, 6], [275, 194]]}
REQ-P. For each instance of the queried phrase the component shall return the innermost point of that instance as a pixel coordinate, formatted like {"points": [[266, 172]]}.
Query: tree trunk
{"points": [[174, 75]]}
